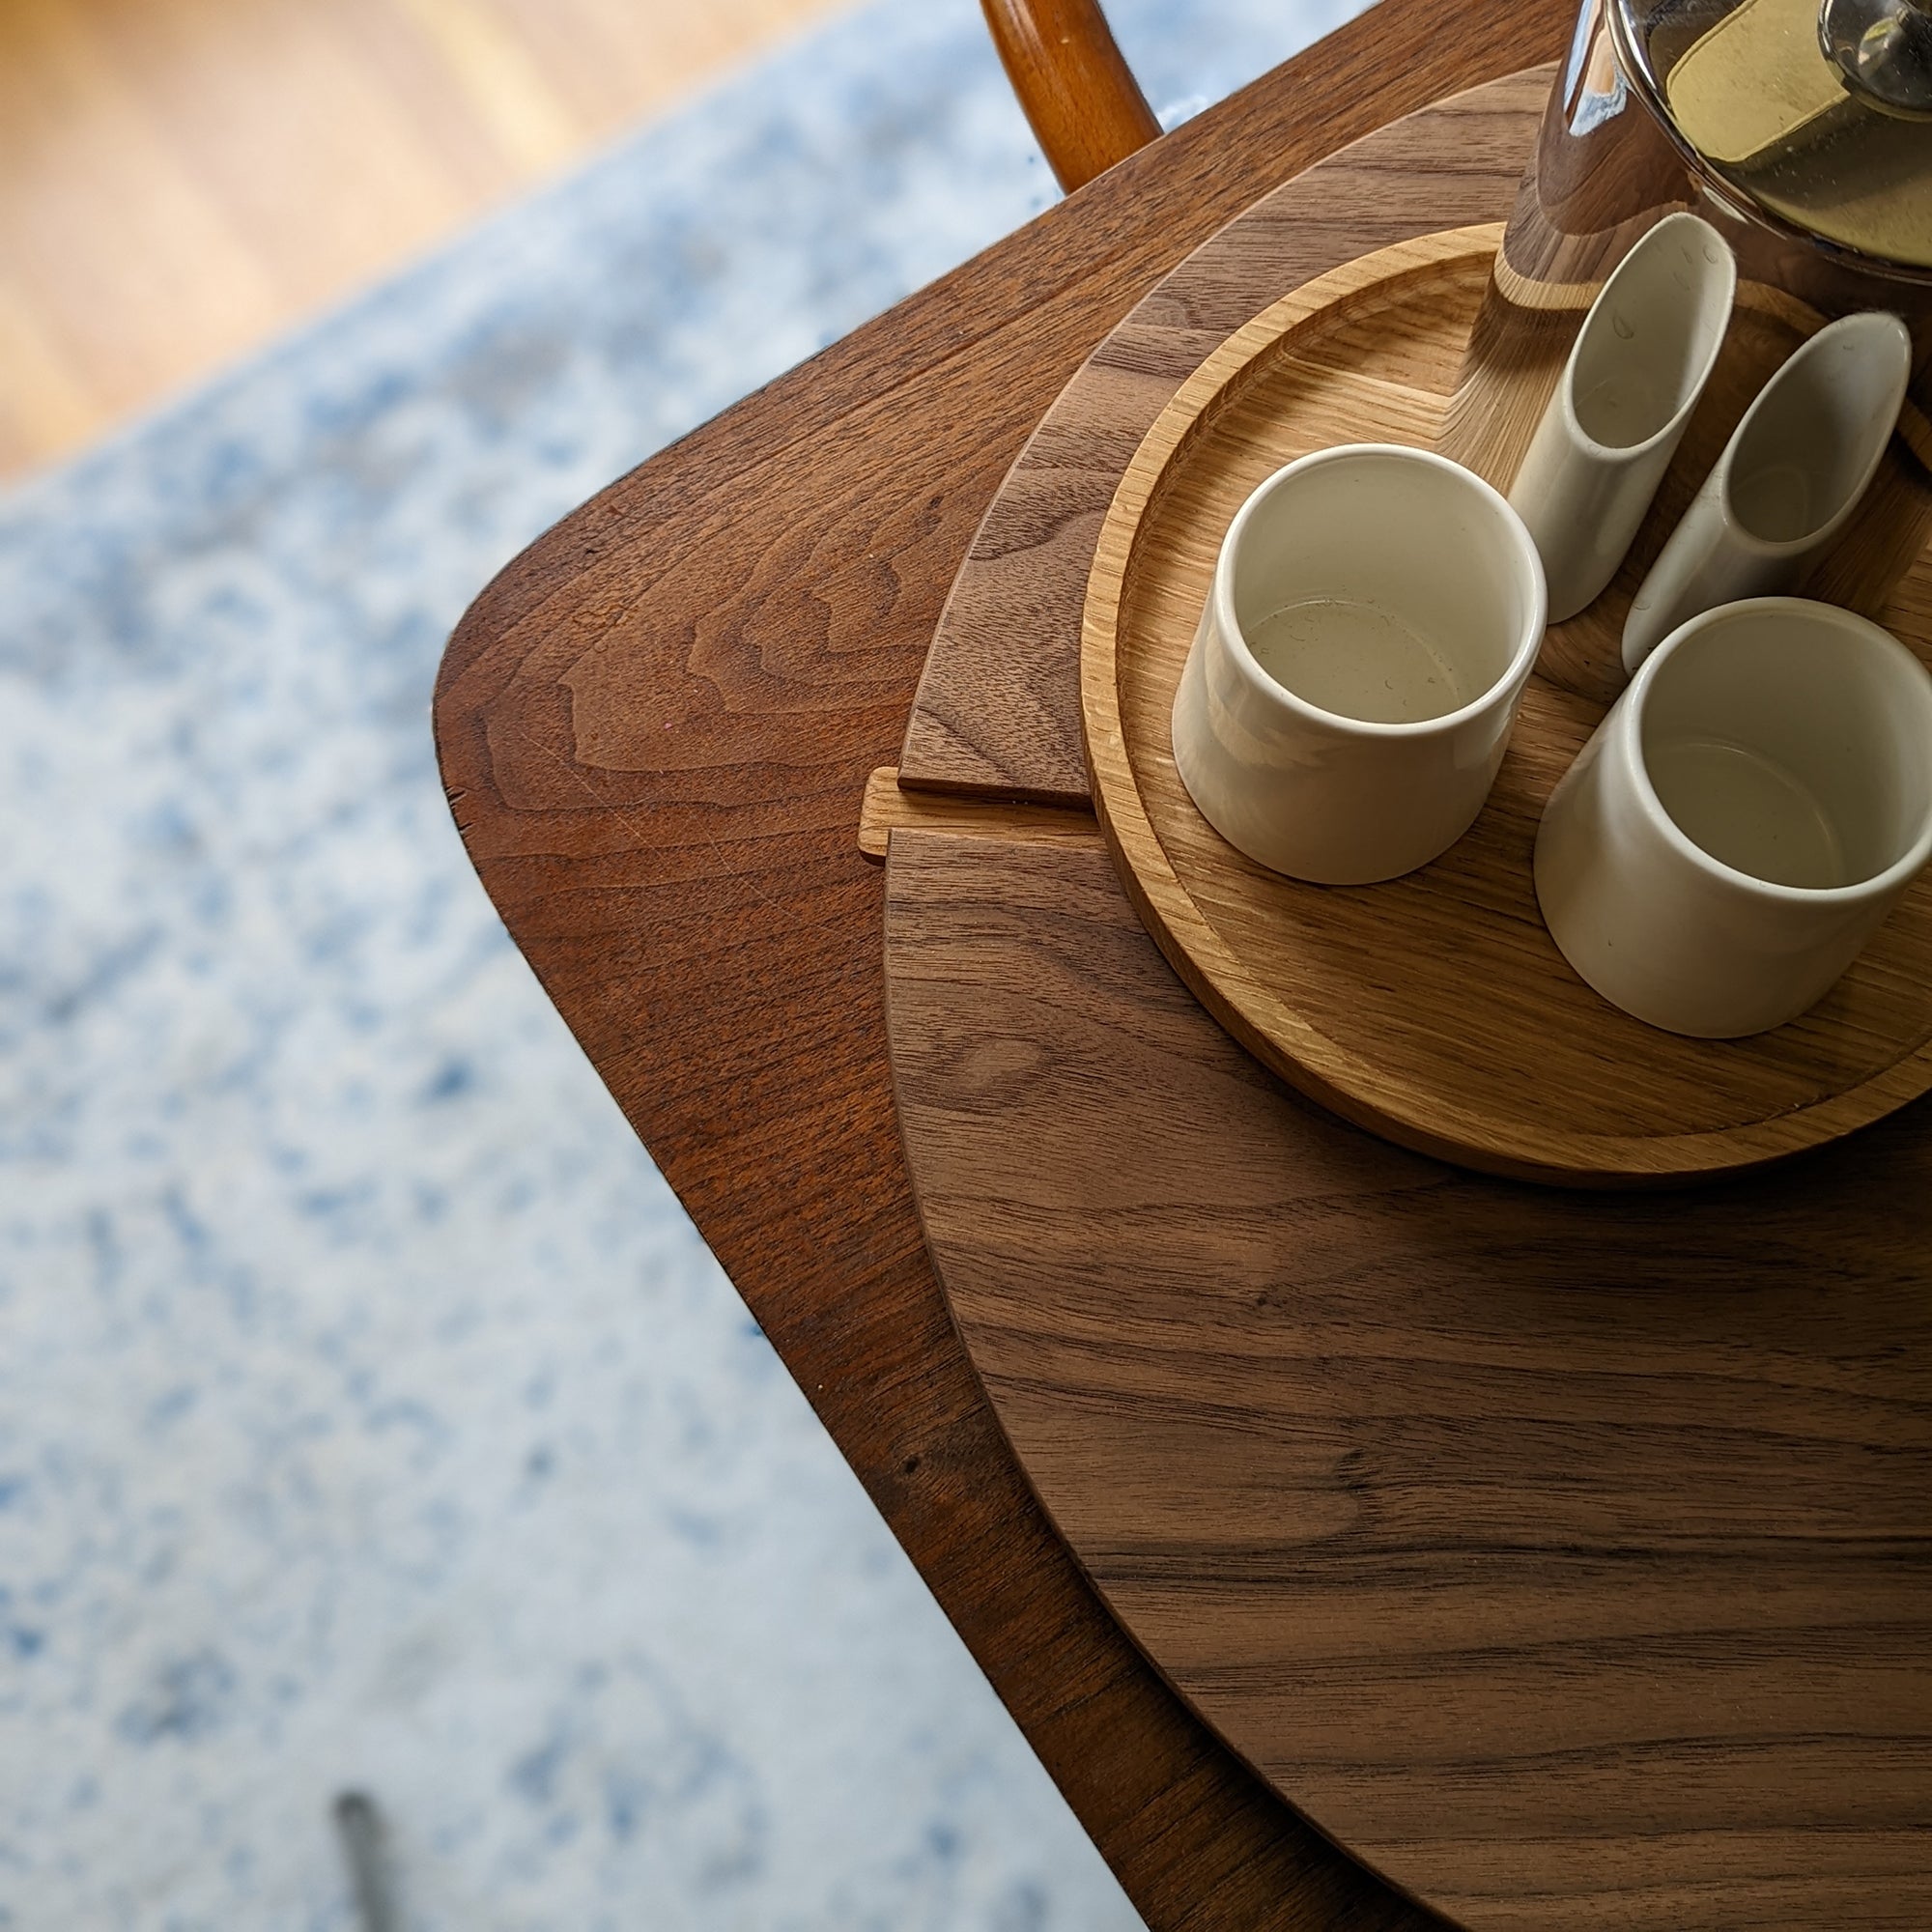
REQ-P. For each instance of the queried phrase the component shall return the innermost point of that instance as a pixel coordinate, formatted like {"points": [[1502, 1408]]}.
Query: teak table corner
{"points": [[656, 727]]}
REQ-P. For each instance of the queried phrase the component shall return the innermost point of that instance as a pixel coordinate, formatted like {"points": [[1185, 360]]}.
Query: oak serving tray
{"points": [[1435, 1009]]}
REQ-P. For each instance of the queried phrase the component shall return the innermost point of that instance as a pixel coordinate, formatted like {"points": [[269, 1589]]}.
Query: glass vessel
{"points": [[1802, 132]]}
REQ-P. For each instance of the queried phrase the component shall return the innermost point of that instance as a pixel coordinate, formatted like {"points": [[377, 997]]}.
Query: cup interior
{"points": [[1815, 434], [1792, 745], [1650, 337], [1383, 585]]}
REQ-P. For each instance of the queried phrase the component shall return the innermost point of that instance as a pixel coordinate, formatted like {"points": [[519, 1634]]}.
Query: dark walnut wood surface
{"points": [[995, 712], [1566, 1556], [655, 727]]}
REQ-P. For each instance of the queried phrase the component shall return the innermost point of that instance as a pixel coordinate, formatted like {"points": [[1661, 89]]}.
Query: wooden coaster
{"points": [[1434, 1009]]}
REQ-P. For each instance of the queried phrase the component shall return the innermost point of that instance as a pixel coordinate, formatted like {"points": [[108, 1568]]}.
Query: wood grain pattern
{"points": [[182, 179], [1078, 94], [1521, 338], [695, 903], [995, 712], [1434, 1007], [1565, 1556]]}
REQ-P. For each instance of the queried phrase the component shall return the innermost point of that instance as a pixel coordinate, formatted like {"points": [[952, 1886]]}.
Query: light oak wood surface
{"points": [[1565, 1556], [181, 180], [695, 901], [1435, 1007]]}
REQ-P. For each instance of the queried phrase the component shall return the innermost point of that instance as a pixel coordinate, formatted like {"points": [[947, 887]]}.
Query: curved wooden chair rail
{"points": [[1080, 98]]}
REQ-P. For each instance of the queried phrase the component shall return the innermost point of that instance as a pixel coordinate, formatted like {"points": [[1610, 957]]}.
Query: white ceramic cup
{"points": [[1750, 810], [1788, 481], [1374, 615], [1635, 374]]}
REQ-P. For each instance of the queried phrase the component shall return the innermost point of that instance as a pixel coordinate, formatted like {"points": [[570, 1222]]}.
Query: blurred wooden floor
{"points": [[181, 180]]}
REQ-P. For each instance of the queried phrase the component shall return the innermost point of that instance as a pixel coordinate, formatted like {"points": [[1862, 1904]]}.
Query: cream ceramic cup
{"points": [[1794, 471], [1374, 615], [1753, 807], [1620, 405]]}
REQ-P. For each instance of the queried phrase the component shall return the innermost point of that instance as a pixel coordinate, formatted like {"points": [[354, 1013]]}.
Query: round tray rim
{"points": [[1253, 1013]]}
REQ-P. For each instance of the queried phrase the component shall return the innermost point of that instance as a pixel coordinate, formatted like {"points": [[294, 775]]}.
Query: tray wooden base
{"points": [[1564, 1556], [1435, 1008]]}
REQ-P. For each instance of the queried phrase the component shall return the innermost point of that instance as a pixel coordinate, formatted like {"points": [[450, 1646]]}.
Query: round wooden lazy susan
{"points": [[1435, 1009], [1563, 1556]]}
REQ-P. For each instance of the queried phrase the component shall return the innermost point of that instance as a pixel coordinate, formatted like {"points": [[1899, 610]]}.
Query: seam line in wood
{"points": [[886, 807]]}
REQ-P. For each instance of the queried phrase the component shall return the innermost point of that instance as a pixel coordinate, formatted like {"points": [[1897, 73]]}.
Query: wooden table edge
{"points": [[1238, 1840]]}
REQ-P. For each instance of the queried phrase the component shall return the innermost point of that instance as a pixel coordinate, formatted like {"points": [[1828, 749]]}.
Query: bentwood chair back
{"points": [[1082, 102]]}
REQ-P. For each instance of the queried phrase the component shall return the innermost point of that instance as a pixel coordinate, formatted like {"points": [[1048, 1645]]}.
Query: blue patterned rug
{"points": [[370, 1414]]}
